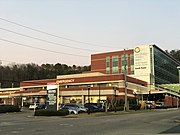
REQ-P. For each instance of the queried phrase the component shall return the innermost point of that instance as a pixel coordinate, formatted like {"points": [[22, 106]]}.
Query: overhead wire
{"points": [[53, 35], [45, 40], [42, 49]]}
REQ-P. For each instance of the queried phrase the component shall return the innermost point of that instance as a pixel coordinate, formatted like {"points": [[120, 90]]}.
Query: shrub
{"points": [[119, 108], [96, 110], [9, 108], [134, 107], [62, 112], [164, 107]]}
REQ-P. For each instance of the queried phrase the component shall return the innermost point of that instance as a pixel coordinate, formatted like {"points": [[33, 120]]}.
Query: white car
{"points": [[79, 107], [72, 110], [33, 106]]}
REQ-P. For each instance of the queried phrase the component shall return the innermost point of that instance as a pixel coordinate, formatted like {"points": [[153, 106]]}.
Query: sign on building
{"points": [[142, 62]]}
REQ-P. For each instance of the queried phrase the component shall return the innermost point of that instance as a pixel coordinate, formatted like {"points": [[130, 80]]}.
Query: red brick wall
{"points": [[98, 61], [174, 101], [114, 77], [168, 101]]}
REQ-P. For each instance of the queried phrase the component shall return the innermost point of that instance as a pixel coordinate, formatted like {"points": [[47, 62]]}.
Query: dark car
{"points": [[92, 107], [41, 106]]}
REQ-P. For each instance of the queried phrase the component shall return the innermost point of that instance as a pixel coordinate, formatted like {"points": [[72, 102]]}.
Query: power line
{"points": [[45, 40], [43, 32], [42, 49]]}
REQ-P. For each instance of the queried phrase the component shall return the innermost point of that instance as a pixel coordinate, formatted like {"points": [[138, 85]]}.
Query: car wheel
{"points": [[72, 112]]}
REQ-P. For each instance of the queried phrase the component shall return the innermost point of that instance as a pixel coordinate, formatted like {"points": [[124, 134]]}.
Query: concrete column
{"points": [[61, 99], [82, 100], [12, 101]]}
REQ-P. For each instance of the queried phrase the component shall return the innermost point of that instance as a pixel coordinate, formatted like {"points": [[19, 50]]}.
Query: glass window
{"points": [[124, 59], [132, 63], [165, 68], [108, 65], [115, 64]]}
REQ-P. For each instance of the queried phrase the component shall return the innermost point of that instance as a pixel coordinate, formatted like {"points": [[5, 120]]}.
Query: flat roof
{"points": [[86, 74]]}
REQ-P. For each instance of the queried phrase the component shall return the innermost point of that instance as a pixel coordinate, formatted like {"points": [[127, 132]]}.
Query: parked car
{"points": [[159, 105], [33, 106], [92, 107], [41, 106], [150, 106], [80, 107], [60, 106], [72, 110]]}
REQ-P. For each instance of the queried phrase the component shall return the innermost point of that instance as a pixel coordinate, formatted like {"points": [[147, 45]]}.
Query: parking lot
{"points": [[153, 122]]}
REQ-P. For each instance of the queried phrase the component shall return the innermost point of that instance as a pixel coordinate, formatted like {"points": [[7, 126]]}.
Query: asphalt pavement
{"points": [[132, 123]]}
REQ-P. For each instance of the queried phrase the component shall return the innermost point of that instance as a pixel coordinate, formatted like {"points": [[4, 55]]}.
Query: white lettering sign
{"points": [[66, 81], [142, 62]]}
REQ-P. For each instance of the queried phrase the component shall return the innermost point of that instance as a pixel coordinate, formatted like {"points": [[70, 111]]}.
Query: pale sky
{"points": [[107, 25]]}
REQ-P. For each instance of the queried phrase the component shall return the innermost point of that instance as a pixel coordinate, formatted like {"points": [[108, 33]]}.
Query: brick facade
{"points": [[98, 61]]}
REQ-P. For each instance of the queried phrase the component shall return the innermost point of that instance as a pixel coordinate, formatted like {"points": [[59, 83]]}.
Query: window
{"points": [[165, 68], [124, 59], [108, 65], [132, 63], [115, 66]]}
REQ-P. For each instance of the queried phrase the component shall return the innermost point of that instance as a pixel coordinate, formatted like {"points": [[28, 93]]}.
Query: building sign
{"points": [[66, 81], [51, 97], [142, 62]]}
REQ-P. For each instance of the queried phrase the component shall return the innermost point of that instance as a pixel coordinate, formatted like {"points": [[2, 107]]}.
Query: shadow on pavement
{"points": [[173, 130]]}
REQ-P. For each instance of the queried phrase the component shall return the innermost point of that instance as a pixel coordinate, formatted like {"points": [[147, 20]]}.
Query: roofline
{"points": [[167, 54], [9, 89], [112, 51], [38, 80]]}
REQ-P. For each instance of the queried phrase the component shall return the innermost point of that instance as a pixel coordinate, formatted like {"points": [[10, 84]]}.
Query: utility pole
{"points": [[57, 97], [125, 82]]}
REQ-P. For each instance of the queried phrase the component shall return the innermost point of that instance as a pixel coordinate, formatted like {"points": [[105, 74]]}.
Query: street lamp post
{"points": [[115, 89], [136, 101]]}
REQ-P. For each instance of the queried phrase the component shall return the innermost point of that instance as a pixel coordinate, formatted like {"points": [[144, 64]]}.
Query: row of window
{"points": [[124, 64], [165, 68], [114, 84]]}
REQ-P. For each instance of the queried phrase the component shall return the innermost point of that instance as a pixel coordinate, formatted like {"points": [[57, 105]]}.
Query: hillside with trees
{"points": [[11, 75], [175, 54]]}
